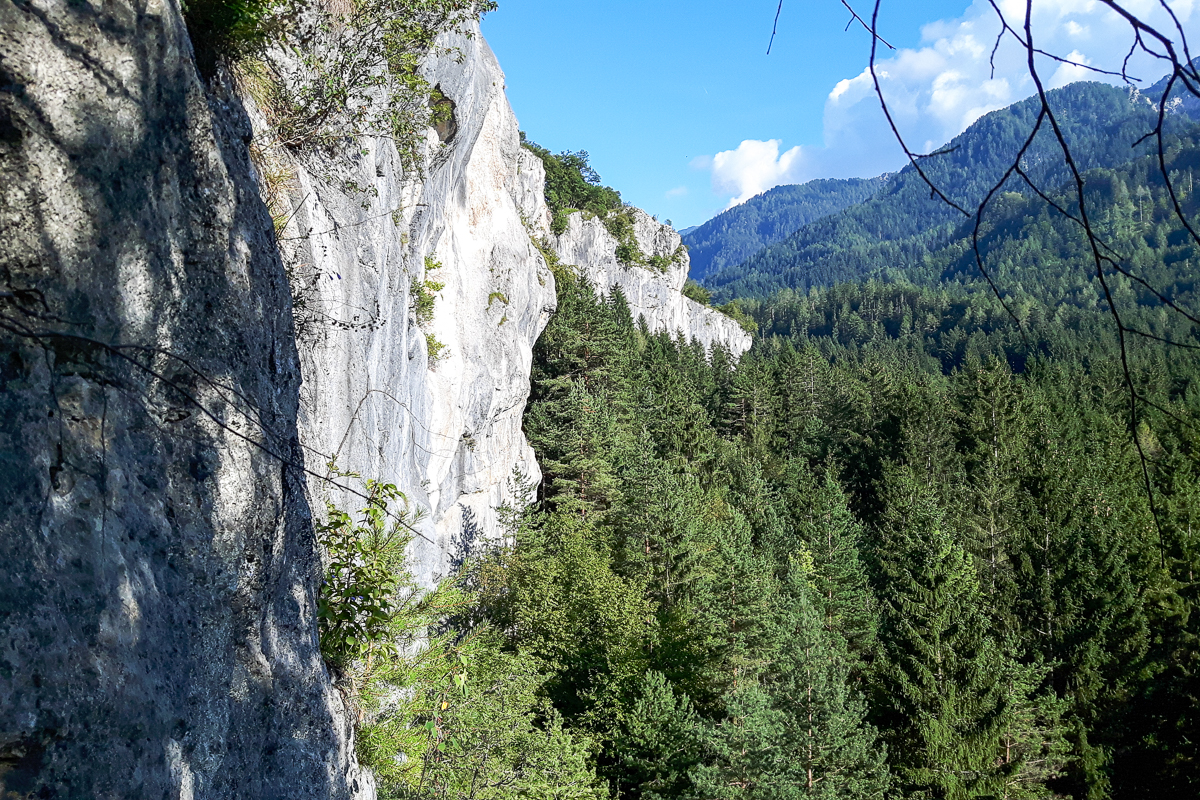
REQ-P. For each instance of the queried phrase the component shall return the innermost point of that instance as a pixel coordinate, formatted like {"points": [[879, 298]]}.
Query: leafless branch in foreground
{"points": [[1168, 48]]}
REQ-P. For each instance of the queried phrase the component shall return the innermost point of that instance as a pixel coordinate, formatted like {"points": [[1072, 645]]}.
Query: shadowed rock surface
{"points": [[157, 636]]}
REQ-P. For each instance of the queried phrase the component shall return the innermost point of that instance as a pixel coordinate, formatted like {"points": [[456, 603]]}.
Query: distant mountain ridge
{"points": [[898, 227], [735, 235]]}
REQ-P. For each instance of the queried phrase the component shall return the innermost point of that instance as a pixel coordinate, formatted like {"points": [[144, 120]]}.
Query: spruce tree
{"points": [[841, 591], [939, 696], [832, 753], [992, 434], [661, 743]]}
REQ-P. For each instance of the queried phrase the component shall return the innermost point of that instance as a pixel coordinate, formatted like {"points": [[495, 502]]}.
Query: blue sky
{"points": [[684, 113]]}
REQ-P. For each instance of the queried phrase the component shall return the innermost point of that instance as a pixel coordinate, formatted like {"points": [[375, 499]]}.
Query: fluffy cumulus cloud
{"points": [[752, 168], [937, 90]]}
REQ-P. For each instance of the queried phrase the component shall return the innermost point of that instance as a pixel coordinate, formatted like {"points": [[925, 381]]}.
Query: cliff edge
{"points": [[654, 289], [182, 376]]}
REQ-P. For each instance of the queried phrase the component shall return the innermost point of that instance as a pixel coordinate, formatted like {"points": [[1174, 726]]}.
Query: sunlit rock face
{"points": [[157, 609], [447, 432], [653, 293]]}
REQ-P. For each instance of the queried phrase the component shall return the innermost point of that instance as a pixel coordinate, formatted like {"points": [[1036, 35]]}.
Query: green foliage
{"points": [[503, 298], [733, 310], [896, 545], [664, 263], [696, 292], [444, 710], [474, 725], [661, 743], [351, 73], [434, 349], [228, 29], [941, 699], [572, 185], [424, 293], [358, 598]]}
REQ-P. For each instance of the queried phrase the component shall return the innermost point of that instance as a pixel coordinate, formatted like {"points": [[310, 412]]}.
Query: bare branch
{"points": [[775, 26], [871, 29]]}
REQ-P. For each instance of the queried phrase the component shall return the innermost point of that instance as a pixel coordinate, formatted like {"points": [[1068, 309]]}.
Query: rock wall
{"points": [[655, 294], [448, 433], [157, 631], [166, 421]]}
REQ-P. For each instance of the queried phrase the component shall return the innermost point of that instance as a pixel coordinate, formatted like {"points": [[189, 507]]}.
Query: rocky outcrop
{"points": [[653, 290], [447, 432], [157, 631]]}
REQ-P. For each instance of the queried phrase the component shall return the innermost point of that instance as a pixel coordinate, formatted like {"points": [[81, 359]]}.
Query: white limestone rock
{"points": [[447, 434], [654, 294]]}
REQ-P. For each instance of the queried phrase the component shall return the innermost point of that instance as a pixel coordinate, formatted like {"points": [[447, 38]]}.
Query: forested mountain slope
{"points": [[1041, 263], [733, 236], [905, 546], [749, 575], [900, 226]]}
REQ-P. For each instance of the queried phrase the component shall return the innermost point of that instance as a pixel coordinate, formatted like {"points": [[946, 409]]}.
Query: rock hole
{"points": [[442, 115]]}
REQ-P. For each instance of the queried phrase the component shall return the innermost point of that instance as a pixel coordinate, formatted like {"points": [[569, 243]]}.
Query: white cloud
{"points": [[753, 168], [678, 191], [937, 90], [1069, 73]]}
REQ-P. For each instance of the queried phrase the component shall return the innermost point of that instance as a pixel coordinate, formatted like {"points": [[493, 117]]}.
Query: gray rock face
{"points": [[157, 632], [654, 294]]}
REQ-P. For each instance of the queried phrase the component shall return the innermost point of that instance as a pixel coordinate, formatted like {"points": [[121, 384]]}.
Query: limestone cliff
{"points": [[157, 611], [652, 292], [446, 432], [166, 420]]}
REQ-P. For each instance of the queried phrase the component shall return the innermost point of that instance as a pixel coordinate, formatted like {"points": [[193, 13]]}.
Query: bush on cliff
{"points": [[444, 711], [572, 185]]}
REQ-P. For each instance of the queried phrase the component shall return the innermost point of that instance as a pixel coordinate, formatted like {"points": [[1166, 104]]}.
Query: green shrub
{"points": [[503, 298], [572, 185], [434, 348], [354, 73], [735, 312], [559, 219], [424, 293], [357, 601], [664, 263], [444, 710], [697, 292]]}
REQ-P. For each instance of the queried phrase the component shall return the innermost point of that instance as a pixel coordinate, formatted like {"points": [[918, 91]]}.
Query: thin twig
{"points": [[775, 27]]}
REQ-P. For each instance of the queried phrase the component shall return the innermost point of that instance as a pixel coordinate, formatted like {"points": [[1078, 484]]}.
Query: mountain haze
{"points": [[733, 236], [902, 224]]}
